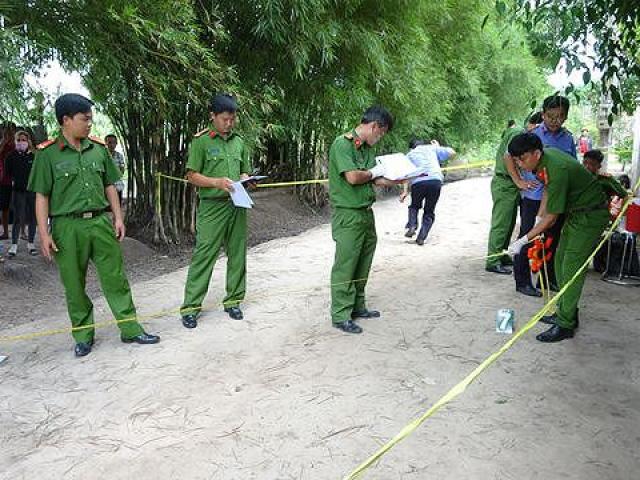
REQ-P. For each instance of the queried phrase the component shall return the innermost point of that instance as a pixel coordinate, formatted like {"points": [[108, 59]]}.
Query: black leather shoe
{"points": [[234, 312], [549, 319], [529, 291], [143, 339], [501, 269], [410, 232], [555, 334], [349, 327], [190, 320], [420, 241], [553, 319], [365, 314], [83, 349]]}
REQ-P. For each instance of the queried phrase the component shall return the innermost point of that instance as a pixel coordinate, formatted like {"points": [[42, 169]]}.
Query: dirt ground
{"points": [[282, 395], [31, 288]]}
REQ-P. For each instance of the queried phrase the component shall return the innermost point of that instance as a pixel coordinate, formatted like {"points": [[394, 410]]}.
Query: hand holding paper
{"points": [[240, 197], [397, 166]]}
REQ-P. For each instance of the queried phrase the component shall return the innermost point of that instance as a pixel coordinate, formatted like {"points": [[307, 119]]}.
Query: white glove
{"points": [[515, 247], [377, 171]]}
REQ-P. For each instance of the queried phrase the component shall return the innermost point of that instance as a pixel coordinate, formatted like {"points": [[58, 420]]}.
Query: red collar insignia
{"points": [[542, 176], [213, 133], [357, 142]]}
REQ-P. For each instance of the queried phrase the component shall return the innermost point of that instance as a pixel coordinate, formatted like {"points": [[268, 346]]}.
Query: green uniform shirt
{"points": [[611, 187], [215, 156], [570, 187], [73, 180], [507, 136], [349, 153]]}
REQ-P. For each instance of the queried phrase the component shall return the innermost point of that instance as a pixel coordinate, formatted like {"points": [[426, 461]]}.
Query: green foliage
{"points": [[566, 28], [624, 150], [304, 71]]}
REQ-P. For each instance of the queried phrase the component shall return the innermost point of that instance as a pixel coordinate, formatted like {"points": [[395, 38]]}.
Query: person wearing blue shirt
{"points": [[425, 190], [555, 110]]}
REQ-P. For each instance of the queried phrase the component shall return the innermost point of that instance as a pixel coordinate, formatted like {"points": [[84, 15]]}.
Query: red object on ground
{"points": [[633, 218]]}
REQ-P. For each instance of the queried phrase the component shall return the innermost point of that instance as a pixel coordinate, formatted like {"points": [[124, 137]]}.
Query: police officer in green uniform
{"points": [[217, 158], [573, 191], [505, 193], [352, 173], [73, 177]]}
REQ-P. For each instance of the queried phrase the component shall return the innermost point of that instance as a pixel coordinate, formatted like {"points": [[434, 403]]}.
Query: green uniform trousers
{"points": [[80, 240], [219, 224], [579, 236], [506, 198], [354, 231]]}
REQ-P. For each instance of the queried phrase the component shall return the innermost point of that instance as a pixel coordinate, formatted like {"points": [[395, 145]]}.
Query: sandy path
{"points": [[284, 396]]}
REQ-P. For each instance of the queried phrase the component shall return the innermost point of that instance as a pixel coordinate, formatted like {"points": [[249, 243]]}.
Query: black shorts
{"points": [[5, 196]]}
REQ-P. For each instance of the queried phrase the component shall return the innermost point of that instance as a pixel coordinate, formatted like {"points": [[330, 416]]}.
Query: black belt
{"points": [[85, 215]]}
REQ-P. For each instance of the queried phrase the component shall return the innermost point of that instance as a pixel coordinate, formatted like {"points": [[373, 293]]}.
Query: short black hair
{"points": [[523, 143], [378, 114], [110, 135], [625, 181], [511, 123], [555, 101], [416, 142], [535, 118], [70, 104], [223, 102], [595, 155]]}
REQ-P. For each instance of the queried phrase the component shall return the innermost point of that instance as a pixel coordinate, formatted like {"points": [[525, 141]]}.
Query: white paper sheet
{"points": [[397, 166], [240, 197]]}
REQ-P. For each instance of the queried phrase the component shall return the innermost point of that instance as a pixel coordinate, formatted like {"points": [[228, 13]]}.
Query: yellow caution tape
{"points": [[291, 184], [467, 166], [461, 386], [164, 313]]}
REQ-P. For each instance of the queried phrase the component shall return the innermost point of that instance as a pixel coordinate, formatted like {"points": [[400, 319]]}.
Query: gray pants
{"points": [[24, 206]]}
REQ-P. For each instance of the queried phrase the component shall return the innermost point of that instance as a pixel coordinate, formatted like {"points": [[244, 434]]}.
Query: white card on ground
{"points": [[240, 197], [3, 358], [397, 166]]}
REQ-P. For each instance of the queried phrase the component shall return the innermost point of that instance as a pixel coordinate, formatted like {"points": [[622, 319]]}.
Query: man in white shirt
{"points": [[425, 190]]}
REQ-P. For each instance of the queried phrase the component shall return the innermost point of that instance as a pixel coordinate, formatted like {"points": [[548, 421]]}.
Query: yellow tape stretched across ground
{"points": [[466, 166], [30, 336], [461, 386], [164, 313]]}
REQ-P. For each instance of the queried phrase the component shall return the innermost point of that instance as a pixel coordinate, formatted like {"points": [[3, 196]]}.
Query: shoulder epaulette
{"points": [[98, 140], [605, 175], [200, 133], [45, 144], [348, 136]]}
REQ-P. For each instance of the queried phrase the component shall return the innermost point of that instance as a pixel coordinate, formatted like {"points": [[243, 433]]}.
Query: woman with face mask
{"points": [[19, 163]]}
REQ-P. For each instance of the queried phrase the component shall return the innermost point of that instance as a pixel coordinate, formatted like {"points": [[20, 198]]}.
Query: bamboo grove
{"points": [[303, 71]]}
